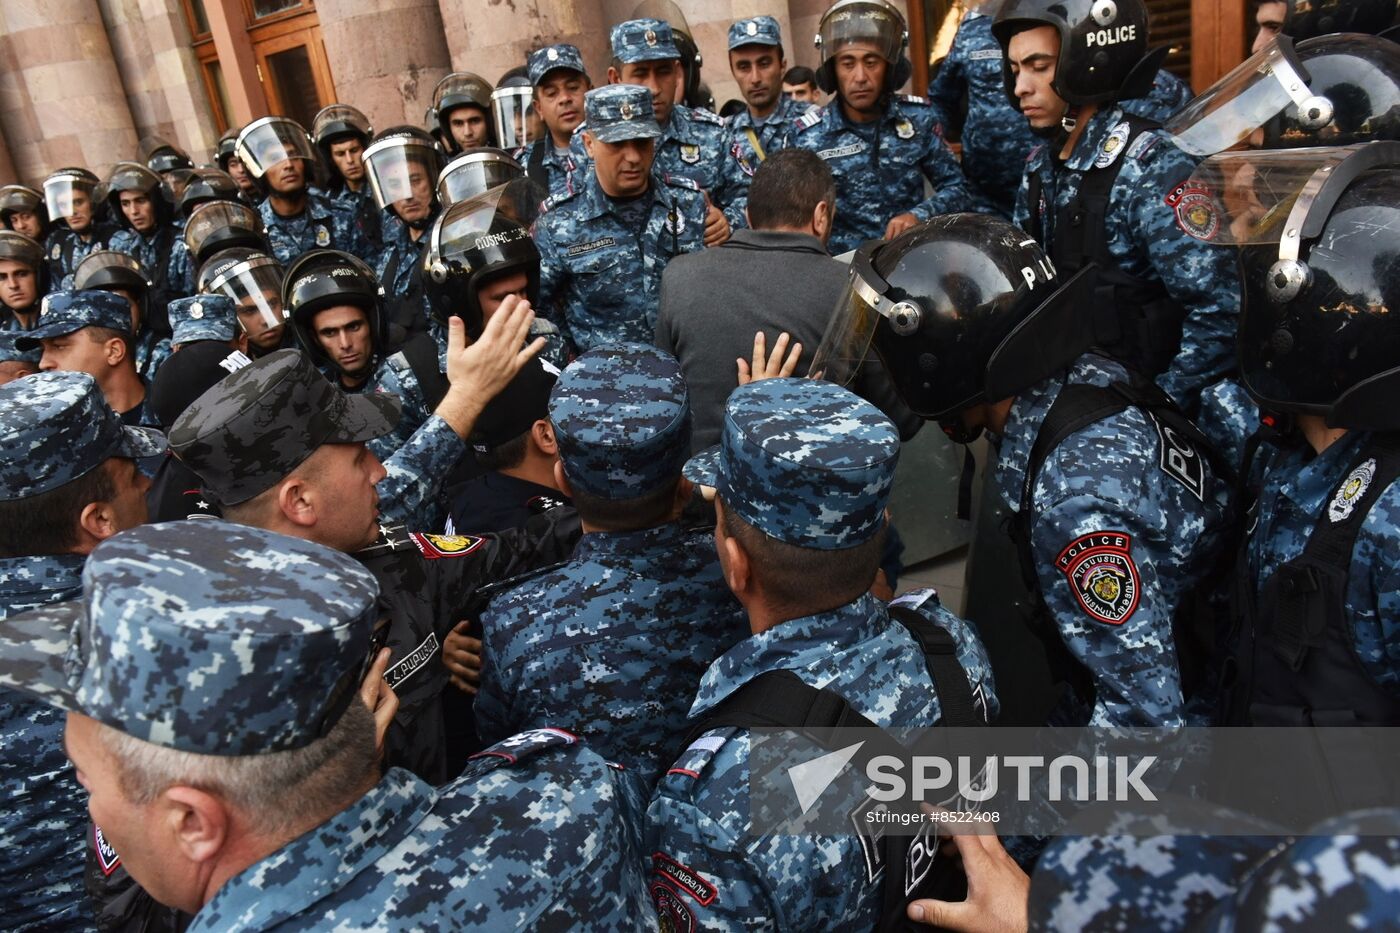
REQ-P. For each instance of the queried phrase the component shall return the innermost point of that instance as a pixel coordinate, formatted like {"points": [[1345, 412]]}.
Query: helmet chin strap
{"points": [[1071, 118]]}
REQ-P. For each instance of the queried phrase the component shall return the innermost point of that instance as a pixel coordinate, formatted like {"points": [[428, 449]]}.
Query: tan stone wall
{"points": [[385, 56], [151, 43], [490, 37], [61, 97]]}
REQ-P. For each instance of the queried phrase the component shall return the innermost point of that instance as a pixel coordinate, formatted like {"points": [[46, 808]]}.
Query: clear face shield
{"points": [[255, 285], [402, 174], [1235, 110], [517, 123], [63, 192], [16, 247], [216, 217], [266, 142], [474, 173], [862, 21]]}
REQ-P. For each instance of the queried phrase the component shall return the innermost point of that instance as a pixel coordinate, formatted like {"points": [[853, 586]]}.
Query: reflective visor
{"points": [[401, 168], [256, 289], [513, 109], [266, 142], [215, 216], [475, 173], [865, 22], [849, 333], [1235, 109], [59, 191]]}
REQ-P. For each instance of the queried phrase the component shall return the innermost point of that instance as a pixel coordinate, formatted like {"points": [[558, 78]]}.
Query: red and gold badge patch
{"points": [[1100, 570], [436, 546]]}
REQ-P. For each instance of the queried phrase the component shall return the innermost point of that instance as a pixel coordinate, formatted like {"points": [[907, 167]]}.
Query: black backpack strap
{"points": [[421, 352], [1035, 189], [956, 704], [534, 167], [1300, 622]]}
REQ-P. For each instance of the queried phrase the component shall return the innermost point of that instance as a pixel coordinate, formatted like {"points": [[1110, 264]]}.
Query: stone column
{"points": [[61, 96], [491, 38], [161, 73], [7, 164], [385, 56]]}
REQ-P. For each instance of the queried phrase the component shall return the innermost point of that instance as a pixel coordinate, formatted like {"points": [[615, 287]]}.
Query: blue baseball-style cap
{"points": [[757, 30], [619, 112], [643, 40], [804, 461], [204, 637], [542, 61], [203, 317], [621, 415], [64, 312]]}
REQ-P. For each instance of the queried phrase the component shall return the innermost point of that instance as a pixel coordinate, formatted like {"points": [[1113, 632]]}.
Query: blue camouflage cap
{"points": [[204, 637], [203, 317], [621, 415], [757, 30], [57, 426], [542, 61], [643, 40], [63, 312], [10, 353], [619, 112], [804, 461]]}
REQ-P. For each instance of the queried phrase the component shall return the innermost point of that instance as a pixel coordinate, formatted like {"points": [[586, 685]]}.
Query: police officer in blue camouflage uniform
{"points": [[203, 317], [995, 137], [802, 476], [23, 278], [612, 644], [881, 146], [342, 134], [603, 248], [757, 63], [68, 197], [68, 482], [1116, 514], [692, 141], [281, 755], [1104, 189], [90, 331], [125, 275], [278, 154], [144, 207], [279, 447], [333, 300], [560, 81], [402, 165]]}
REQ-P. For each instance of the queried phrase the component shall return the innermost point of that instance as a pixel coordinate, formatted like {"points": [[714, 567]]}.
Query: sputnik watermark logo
{"points": [[811, 778]]}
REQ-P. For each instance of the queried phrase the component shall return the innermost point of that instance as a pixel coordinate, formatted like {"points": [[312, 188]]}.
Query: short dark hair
{"points": [[800, 74], [645, 511], [103, 334], [505, 456], [807, 578], [787, 187], [46, 524]]}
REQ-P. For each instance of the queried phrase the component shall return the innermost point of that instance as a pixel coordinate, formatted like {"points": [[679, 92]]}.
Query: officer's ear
{"points": [[588, 140], [296, 502], [193, 823], [97, 522], [542, 435], [733, 559], [115, 351], [614, 75]]}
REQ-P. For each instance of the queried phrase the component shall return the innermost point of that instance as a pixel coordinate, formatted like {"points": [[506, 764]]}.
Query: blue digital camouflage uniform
{"points": [[170, 277], [559, 165], [324, 224], [809, 464], [1296, 490], [1104, 506], [66, 249], [151, 351], [612, 644], [363, 206], [1228, 417], [397, 257], [1341, 875], [9, 353], [600, 259], [693, 142], [743, 128], [995, 137], [538, 833], [182, 268], [1148, 240], [881, 167], [54, 428]]}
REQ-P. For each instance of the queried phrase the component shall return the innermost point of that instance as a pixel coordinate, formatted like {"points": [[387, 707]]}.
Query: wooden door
{"points": [[295, 73]]}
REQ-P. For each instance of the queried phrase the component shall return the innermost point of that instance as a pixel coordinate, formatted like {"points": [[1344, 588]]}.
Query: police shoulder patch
{"points": [[107, 858], [687, 880], [522, 745], [673, 915], [914, 99], [705, 116], [437, 546], [808, 120], [1101, 573], [1196, 212], [680, 181]]}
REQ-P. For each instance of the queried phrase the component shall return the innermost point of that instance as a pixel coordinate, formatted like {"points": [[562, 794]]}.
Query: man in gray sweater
{"points": [[774, 277]]}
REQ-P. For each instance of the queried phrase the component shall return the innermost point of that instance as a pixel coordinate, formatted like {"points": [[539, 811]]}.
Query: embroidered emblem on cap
{"points": [[650, 37], [1351, 491], [751, 28], [626, 110], [196, 311], [552, 55], [1100, 570]]}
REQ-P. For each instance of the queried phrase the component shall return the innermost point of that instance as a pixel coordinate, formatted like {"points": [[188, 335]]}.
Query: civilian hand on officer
{"points": [[477, 372], [461, 655], [766, 366], [716, 224], [381, 699], [997, 891], [898, 224]]}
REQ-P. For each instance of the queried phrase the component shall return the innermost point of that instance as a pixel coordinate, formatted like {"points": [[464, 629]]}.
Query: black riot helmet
{"points": [[1329, 91], [460, 89], [1319, 333], [474, 241], [962, 309], [61, 187], [22, 198], [476, 171], [696, 94], [270, 141], [872, 21], [225, 149], [1311, 18], [205, 185], [221, 225], [402, 165], [137, 178], [19, 248], [334, 124], [327, 278], [109, 271], [1103, 47], [252, 278], [162, 156]]}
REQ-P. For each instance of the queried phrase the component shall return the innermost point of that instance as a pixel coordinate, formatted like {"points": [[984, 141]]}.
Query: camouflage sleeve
{"points": [[949, 86], [1375, 624], [1021, 213], [731, 194], [1107, 586], [416, 470], [492, 705], [552, 272], [1199, 276], [700, 877], [950, 193], [497, 558]]}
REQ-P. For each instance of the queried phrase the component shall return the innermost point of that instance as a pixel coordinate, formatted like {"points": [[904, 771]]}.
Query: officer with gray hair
{"points": [[210, 676]]}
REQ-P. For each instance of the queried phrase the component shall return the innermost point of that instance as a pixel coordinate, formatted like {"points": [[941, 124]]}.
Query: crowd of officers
{"points": [[359, 568]]}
